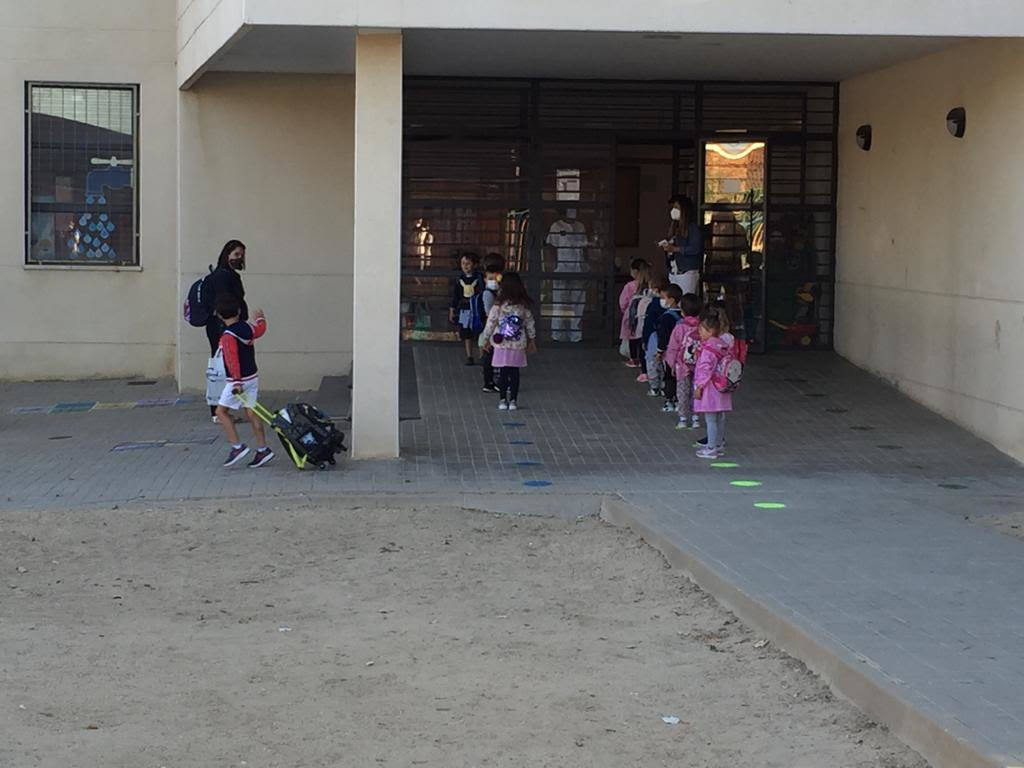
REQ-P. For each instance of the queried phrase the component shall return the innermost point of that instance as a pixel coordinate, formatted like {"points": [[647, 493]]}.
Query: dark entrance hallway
{"points": [[568, 181]]}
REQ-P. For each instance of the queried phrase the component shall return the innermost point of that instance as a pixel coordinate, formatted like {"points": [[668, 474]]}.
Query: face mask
{"points": [[492, 284], [237, 264], [665, 304], [676, 214]]}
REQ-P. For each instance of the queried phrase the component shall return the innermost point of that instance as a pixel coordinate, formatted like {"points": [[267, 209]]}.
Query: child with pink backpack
{"points": [[681, 356], [716, 375]]}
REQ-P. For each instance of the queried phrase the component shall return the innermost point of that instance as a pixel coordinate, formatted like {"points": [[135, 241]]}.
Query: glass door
{"points": [[733, 212]]}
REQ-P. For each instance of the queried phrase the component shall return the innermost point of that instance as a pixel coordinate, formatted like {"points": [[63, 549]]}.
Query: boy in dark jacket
{"points": [[670, 299], [650, 338], [465, 290]]}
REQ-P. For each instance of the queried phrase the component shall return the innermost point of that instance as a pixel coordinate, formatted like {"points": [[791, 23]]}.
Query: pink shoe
{"points": [[632, 364], [642, 378]]}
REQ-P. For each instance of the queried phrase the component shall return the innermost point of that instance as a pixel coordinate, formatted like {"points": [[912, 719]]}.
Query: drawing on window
{"points": [[82, 172]]}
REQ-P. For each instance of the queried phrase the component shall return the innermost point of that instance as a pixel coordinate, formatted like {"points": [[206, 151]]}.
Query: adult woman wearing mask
{"points": [[684, 245], [224, 279]]}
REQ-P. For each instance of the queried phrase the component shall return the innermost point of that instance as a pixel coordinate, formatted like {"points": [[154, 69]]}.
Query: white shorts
{"points": [[250, 391]]}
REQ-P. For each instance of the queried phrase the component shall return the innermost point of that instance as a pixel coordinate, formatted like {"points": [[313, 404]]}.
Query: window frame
{"points": [[135, 265]]}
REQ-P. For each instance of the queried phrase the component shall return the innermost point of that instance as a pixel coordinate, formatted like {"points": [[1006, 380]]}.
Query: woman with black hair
{"points": [[224, 280], [684, 245]]}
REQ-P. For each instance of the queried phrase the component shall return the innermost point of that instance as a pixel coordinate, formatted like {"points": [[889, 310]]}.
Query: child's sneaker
{"points": [[695, 422], [503, 406], [512, 405], [654, 393], [707, 453], [632, 364], [702, 443], [642, 378], [490, 388], [263, 456], [681, 424], [236, 455], [668, 408]]}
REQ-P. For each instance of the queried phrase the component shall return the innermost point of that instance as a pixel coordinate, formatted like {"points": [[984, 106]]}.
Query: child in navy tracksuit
{"points": [[650, 336], [465, 290], [242, 387], [671, 316]]}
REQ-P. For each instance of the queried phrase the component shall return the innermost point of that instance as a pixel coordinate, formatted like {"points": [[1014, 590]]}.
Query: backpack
{"points": [[633, 313], [510, 328], [689, 348], [477, 318], [729, 368], [636, 327], [198, 305]]}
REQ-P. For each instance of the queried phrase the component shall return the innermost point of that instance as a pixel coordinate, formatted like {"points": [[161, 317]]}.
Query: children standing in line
{"points": [[707, 398], [512, 333], [493, 267], [681, 356], [243, 382], [631, 292], [650, 337], [670, 298], [465, 295]]}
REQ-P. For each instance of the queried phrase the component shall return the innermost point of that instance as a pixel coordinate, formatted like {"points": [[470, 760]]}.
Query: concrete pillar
{"points": [[378, 243]]}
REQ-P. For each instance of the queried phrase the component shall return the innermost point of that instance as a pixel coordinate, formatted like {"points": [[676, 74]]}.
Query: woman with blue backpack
{"points": [[222, 280]]}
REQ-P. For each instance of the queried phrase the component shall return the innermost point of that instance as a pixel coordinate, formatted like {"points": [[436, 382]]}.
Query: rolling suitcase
{"points": [[307, 435]]}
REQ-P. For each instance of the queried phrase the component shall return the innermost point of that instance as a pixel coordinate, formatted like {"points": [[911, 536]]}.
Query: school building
{"points": [[857, 168]]}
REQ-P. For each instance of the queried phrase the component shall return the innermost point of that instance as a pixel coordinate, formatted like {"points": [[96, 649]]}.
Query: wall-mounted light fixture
{"points": [[956, 122], [864, 137]]}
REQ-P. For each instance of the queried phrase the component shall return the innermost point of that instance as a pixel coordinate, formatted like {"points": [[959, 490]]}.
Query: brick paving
{"points": [[872, 553]]}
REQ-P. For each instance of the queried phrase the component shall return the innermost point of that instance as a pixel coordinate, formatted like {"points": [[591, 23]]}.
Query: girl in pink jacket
{"points": [[630, 291], [681, 355], [715, 342]]}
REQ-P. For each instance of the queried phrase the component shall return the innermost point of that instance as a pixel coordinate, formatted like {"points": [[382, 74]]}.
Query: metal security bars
{"points": [[81, 181], [527, 169]]}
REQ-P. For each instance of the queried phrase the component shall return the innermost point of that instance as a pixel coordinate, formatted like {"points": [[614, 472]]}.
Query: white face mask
{"points": [[492, 284], [676, 214], [664, 304]]}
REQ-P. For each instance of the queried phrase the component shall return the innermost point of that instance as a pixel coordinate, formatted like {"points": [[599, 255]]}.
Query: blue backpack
{"points": [[198, 304]]}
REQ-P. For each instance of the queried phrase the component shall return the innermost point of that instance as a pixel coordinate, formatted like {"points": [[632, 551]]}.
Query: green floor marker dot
{"points": [[745, 483], [770, 505], [725, 465]]}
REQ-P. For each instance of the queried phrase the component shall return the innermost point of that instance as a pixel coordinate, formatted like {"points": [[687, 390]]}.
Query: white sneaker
{"points": [[695, 422], [216, 420], [502, 406], [512, 406]]}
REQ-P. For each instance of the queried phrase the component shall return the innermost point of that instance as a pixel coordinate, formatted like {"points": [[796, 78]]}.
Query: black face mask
{"points": [[237, 264]]}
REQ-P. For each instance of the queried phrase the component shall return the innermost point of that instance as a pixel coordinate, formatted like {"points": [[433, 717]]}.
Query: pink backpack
{"points": [[729, 368]]}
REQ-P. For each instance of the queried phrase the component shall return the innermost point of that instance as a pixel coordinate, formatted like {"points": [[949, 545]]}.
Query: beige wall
{"points": [[930, 288], [70, 323], [268, 159]]}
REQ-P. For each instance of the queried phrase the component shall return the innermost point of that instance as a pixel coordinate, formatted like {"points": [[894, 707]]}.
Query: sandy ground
{"points": [[306, 635]]}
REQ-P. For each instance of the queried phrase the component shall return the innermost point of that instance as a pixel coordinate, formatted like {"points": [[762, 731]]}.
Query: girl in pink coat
{"points": [[681, 354], [630, 291], [715, 341]]}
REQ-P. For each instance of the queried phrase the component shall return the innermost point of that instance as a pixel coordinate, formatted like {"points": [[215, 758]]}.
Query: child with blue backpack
{"points": [[493, 267], [464, 310]]}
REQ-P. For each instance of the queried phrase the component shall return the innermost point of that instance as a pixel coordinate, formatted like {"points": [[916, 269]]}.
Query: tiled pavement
{"points": [[871, 554]]}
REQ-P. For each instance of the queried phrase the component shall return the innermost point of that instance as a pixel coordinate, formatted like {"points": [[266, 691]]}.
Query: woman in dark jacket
{"points": [[225, 280], [684, 245]]}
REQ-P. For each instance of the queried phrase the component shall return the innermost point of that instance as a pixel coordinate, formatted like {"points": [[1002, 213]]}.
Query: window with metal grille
{"points": [[82, 174]]}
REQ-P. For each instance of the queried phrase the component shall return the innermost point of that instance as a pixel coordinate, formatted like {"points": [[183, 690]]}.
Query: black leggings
{"points": [[214, 328], [636, 351], [508, 383]]}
